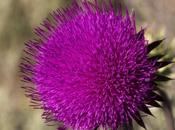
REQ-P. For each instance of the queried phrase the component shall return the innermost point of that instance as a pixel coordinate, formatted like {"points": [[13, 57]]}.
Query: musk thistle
{"points": [[89, 67]]}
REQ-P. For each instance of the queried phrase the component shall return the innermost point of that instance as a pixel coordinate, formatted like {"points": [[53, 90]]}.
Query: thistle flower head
{"points": [[90, 68]]}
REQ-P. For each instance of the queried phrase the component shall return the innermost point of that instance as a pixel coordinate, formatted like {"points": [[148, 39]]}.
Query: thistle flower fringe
{"points": [[89, 68]]}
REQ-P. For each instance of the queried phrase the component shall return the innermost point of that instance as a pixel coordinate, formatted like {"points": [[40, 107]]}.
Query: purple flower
{"points": [[89, 68]]}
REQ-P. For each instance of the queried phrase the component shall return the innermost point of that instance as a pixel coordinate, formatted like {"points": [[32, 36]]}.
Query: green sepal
{"points": [[154, 104], [162, 78], [136, 116], [161, 64], [156, 96], [145, 109], [153, 45], [158, 57]]}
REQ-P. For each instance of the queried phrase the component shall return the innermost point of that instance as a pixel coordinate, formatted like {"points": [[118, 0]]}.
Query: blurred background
{"points": [[17, 20]]}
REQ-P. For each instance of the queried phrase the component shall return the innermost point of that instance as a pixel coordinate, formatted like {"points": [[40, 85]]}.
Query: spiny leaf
{"points": [[153, 45], [145, 109]]}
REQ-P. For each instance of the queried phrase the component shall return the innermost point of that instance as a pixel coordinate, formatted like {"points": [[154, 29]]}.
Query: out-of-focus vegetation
{"points": [[18, 17]]}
